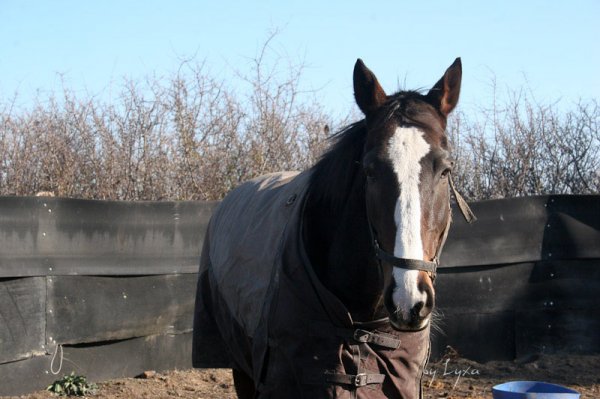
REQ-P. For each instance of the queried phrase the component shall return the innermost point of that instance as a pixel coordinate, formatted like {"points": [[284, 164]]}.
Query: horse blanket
{"points": [[258, 292]]}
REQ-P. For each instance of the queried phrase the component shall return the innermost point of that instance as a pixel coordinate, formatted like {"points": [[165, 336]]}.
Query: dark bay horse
{"points": [[320, 284]]}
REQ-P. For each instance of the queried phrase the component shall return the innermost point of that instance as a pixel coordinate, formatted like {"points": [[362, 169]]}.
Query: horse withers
{"points": [[320, 283]]}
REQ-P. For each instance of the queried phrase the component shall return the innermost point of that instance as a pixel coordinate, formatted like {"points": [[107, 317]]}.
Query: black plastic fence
{"points": [[523, 279], [102, 288], [106, 289]]}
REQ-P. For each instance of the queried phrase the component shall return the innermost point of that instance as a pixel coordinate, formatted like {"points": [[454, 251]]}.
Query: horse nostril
{"points": [[420, 311], [415, 312]]}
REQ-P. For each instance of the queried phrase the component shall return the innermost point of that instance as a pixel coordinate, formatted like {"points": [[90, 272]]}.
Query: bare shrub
{"points": [[183, 137], [527, 148], [189, 136]]}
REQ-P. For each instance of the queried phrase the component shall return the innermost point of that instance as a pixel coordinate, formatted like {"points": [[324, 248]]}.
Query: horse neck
{"points": [[339, 247]]}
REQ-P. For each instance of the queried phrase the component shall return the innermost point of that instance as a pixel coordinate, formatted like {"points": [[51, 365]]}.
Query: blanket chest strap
{"points": [[355, 380], [321, 329]]}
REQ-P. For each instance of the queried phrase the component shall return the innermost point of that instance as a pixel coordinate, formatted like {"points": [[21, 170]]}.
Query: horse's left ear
{"points": [[445, 93]]}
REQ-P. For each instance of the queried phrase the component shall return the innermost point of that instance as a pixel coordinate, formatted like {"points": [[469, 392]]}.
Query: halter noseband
{"points": [[419, 264]]}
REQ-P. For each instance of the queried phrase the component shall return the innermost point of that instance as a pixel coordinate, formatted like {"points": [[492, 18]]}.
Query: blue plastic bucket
{"points": [[532, 390]]}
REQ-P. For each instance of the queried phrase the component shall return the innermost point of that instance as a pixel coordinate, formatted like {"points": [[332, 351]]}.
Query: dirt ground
{"points": [[451, 377]]}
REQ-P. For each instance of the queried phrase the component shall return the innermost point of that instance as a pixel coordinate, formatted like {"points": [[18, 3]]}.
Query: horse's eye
{"points": [[447, 169]]}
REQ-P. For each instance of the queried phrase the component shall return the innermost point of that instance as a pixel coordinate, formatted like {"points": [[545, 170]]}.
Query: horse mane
{"points": [[333, 175]]}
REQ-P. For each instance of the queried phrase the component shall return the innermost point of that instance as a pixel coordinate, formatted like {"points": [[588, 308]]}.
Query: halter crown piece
{"points": [[419, 264]]}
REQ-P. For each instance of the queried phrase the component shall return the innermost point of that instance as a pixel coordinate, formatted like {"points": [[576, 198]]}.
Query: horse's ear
{"points": [[445, 93], [367, 91]]}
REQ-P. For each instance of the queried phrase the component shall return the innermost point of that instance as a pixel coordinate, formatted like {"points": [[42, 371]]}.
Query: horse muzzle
{"points": [[411, 315]]}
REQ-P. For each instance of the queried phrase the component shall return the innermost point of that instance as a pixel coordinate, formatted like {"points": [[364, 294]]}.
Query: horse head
{"points": [[406, 163]]}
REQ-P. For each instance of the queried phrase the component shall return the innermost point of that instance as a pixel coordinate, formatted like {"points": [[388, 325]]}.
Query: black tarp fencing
{"points": [[527, 229], [42, 236], [108, 287], [523, 279], [104, 288]]}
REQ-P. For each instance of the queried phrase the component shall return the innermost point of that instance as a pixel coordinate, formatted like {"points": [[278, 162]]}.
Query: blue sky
{"points": [[549, 46]]}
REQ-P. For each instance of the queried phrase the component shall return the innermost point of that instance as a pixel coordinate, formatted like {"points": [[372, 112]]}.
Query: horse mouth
{"points": [[413, 324]]}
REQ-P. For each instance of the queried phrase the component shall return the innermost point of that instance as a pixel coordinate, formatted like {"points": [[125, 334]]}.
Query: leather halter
{"points": [[419, 264]]}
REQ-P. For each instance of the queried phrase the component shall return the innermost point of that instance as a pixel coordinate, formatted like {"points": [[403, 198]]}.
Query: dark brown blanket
{"points": [[258, 292]]}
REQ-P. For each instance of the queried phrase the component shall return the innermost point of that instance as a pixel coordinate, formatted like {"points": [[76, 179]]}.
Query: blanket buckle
{"points": [[360, 380]]}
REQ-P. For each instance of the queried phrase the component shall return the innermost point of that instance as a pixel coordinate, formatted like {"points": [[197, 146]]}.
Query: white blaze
{"points": [[406, 149]]}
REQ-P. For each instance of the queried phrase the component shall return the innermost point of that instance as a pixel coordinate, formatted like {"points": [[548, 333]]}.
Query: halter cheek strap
{"points": [[419, 264]]}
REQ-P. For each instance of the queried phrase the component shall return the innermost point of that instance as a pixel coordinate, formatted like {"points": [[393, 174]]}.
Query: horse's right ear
{"points": [[367, 91]]}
